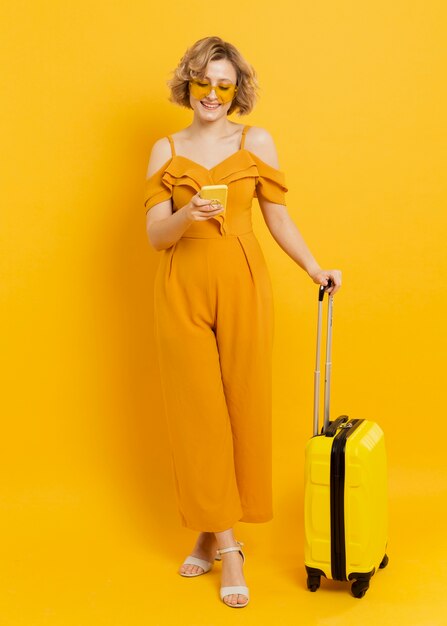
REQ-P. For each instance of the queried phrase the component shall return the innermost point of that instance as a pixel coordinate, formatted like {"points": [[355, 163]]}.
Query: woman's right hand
{"points": [[199, 209]]}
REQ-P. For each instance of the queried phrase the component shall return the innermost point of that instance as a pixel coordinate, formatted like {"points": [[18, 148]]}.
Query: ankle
{"points": [[225, 539], [206, 536], [236, 548]]}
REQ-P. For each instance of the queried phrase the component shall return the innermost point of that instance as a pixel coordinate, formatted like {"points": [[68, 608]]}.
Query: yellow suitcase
{"points": [[345, 491]]}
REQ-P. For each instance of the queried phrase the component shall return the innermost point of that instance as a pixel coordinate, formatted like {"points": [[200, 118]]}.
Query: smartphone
{"points": [[215, 192]]}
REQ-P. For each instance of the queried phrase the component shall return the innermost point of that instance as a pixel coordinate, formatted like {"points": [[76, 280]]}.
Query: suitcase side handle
{"points": [[328, 365]]}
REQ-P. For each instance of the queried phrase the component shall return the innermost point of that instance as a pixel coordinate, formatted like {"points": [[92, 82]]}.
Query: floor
{"points": [[73, 561]]}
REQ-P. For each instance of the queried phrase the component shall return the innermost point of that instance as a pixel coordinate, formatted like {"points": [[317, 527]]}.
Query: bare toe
{"points": [[191, 569]]}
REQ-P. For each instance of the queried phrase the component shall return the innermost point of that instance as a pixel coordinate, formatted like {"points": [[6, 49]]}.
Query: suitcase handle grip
{"points": [[323, 289], [335, 425]]}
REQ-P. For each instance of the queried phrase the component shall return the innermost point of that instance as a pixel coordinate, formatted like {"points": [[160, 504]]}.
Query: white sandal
{"points": [[219, 558], [205, 565], [234, 589]]}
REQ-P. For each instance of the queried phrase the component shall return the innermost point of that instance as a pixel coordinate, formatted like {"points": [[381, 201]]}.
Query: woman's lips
{"points": [[210, 107]]}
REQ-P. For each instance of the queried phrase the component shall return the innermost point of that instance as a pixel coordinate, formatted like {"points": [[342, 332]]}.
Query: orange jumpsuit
{"points": [[214, 317]]}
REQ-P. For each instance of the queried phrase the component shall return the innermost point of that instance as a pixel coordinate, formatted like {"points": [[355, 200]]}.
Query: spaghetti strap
{"points": [[244, 132], [171, 141]]}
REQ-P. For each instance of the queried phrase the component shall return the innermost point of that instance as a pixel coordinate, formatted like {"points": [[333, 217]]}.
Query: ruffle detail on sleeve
{"points": [[177, 174], [238, 165], [157, 188], [249, 170], [271, 184]]}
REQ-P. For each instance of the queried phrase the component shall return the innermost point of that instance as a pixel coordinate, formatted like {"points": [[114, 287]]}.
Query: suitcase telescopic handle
{"points": [[328, 366]]}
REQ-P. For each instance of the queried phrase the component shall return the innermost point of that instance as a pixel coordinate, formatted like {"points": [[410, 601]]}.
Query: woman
{"points": [[214, 304]]}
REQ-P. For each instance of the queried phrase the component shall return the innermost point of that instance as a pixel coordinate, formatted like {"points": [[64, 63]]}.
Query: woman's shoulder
{"points": [[160, 154], [260, 142]]}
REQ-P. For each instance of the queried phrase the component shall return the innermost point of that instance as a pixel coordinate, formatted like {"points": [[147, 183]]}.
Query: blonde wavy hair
{"points": [[193, 65]]}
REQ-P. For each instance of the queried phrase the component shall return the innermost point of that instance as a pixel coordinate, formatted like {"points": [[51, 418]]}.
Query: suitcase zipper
{"points": [[337, 491]]}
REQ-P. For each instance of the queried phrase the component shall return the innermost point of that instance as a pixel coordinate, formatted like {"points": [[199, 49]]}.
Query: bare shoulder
{"points": [[160, 153], [259, 141]]}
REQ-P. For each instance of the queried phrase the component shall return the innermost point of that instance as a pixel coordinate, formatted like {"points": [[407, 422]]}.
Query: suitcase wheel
{"points": [[313, 582], [359, 588], [384, 562]]}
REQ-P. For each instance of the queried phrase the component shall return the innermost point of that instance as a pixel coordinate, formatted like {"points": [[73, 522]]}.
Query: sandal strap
{"points": [[218, 556], [194, 560], [226, 591], [230, 549]]}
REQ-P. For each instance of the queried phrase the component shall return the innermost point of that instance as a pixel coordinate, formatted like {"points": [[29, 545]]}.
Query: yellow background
{"points": [[354, 95]]}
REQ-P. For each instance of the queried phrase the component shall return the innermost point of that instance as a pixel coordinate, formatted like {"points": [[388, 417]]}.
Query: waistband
{"points": [[215, 235], [213, 229]]}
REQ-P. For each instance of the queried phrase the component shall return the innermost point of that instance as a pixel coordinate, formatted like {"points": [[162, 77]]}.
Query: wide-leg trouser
{"points": [[214, 320]]}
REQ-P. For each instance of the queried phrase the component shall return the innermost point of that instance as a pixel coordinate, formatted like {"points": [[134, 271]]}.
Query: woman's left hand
{"points": [[322, 276]]}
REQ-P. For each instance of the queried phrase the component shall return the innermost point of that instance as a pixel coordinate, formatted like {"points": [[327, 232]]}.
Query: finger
{"points": [[207, 207], [332, 288], [336, 281]]}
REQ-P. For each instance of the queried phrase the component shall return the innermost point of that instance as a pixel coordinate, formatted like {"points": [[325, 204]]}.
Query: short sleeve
{"points": [[157, 188], [271, 183]]}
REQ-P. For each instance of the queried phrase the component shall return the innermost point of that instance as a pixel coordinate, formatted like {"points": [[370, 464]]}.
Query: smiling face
{"points": [[220, 72]]}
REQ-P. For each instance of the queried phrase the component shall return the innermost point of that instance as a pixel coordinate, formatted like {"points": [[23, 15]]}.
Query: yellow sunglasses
{"points": [[199, 89]]}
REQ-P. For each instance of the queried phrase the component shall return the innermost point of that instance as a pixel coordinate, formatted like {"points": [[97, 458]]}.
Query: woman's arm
{"points": [[289, 238], [280, 224], [163, 226]]}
